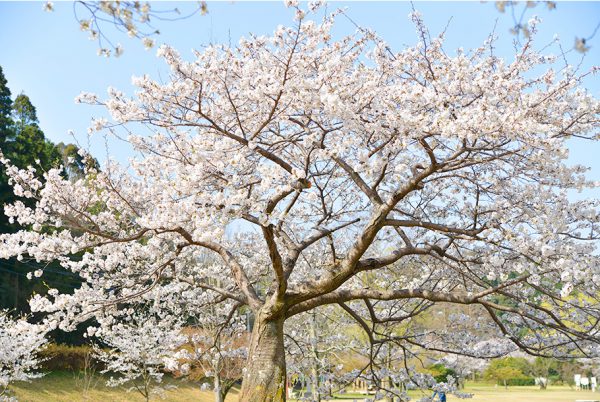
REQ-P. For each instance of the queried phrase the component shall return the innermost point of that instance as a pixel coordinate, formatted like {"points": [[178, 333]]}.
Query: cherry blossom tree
{"points": [[425, 178], [314, 343], [20, 341], [464, 366], [218, 348], [179, 328], [142, 344]]}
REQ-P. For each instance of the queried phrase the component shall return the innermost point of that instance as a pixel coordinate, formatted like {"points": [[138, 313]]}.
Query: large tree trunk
{"points": [[265, 377]]}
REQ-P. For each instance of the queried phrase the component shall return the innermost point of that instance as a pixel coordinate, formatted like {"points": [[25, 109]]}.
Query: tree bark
{"points": [[314, 372], [265, 376], [217, 388]]}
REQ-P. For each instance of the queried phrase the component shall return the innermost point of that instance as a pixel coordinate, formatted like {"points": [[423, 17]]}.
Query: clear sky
{"points": [[46, 56]]}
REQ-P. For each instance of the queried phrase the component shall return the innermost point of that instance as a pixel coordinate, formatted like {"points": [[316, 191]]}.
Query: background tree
{"points": [[387, 160], [316, 344], [567, 370], [217, 347], [29, 146], [73, 160], [21, 341], [544, 370], [24, 143], [508, 368], [464, 367], [142, 345], [504, 374], [5, 107]]}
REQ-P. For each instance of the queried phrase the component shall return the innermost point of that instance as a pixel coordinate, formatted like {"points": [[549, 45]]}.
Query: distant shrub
{"points": [[440, 372], [65, 358], [519, 381]]}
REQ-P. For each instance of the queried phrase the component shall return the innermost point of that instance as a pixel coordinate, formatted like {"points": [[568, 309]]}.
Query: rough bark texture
{"points": [[264, 380]]}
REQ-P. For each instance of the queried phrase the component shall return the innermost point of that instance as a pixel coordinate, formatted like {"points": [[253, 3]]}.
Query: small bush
{"points": [[58, 357]]}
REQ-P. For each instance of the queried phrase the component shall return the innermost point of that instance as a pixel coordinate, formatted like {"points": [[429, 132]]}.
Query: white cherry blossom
{"points": [[20, 341]]}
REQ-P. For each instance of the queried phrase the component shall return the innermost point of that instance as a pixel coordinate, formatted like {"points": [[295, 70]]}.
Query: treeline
{"points": [[23, 142], [540, 371]]}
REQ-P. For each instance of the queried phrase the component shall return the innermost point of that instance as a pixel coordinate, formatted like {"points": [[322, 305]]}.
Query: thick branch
{"points": [[239, 275]]}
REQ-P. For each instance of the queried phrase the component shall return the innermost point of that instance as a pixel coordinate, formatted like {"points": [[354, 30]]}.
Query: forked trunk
{"points": [[265, 376]]}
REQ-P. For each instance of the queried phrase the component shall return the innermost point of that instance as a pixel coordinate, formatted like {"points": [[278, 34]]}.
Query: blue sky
{"points": [[46, 56]]}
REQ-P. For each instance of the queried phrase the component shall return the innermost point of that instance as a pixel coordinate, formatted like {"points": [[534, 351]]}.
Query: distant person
{"points": [[441, 395]]}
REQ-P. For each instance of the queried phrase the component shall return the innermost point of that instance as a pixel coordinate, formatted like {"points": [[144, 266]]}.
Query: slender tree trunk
{"points": [[387, 380], [147, 380], [314, 372], [265, 377], [217, 388]]}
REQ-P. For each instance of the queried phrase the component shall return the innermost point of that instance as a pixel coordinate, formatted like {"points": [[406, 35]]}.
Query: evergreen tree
{"points": [[24, 143], [5, 107], [24, 113]]}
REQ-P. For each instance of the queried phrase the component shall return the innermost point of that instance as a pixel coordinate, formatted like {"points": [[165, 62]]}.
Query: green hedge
{"points": [[518, 381]]}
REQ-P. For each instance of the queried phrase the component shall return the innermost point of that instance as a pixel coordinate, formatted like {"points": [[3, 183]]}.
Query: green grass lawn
{"points": [[490, 393], [63, 387]]}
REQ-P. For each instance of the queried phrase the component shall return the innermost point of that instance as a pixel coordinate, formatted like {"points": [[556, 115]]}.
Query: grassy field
{"points": [[489, 393], [63, 387]]}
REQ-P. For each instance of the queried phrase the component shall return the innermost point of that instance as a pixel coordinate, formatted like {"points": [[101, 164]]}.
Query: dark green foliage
{"points": [[24, 113], [5, 107], [16, 288], [23, 142], [72, 161], [519, 381]]}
